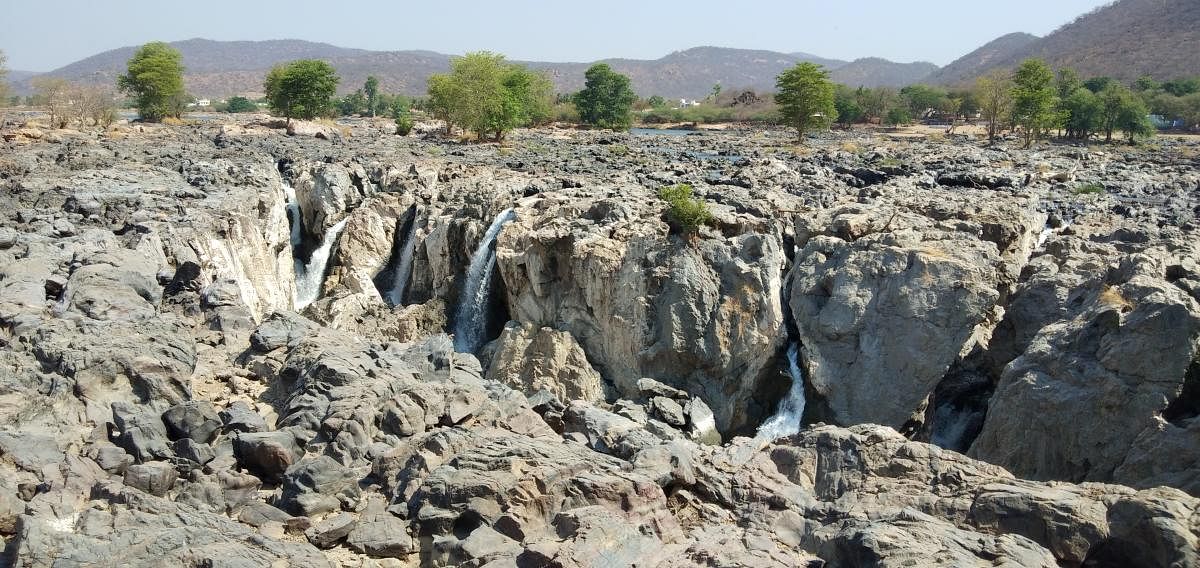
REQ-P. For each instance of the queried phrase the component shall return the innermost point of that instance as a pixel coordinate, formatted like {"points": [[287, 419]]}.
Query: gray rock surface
{"points": [[160, 403]]}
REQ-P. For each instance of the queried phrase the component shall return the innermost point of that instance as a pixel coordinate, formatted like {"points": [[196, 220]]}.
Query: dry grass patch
{"points": [[1111, 296]]}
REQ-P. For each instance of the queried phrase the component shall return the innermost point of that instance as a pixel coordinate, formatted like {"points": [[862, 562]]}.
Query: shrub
{"points": [[240, 104], [684, 210], [1089, 188]]}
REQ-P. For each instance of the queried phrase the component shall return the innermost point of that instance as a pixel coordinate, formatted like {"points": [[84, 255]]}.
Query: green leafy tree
{"points": [[1081, 110], [921, 98], [656, 101], [876, 102], [240, 104], [1035, 102], [371, 88], [1134, 119], [1146, 84], [489, 96], [401, 116], [352, 104], [898, 116], [805, 96], [1097, 84], [995, 94], [301, 89], [1182, 87], [845, 100], [1120, 109], [606, 99], [154, 78], [442, 98]]}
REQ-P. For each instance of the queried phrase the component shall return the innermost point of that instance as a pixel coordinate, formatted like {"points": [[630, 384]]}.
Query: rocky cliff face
{"points": [[161, 400]]}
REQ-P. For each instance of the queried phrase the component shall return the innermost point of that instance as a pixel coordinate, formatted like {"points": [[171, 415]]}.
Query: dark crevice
{"points": [[1187, 404], [385, 280]]}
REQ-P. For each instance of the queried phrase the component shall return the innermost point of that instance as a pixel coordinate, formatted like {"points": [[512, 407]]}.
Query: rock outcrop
{"points": [[162, 402]]}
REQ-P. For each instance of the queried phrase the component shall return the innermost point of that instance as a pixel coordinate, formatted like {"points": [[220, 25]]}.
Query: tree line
{"points": [[486, 96]]}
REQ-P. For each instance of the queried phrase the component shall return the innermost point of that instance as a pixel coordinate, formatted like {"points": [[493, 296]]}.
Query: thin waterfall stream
{"points": [[786, 420], [404, 264], [310, 276], [471, 319]]}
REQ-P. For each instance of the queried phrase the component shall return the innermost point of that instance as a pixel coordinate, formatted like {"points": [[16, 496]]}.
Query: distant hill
{"points": [[1124, 40], [876, 72], [217, 69], [1002, 50]]}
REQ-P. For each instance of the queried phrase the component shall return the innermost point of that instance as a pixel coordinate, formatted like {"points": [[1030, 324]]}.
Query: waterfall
{"points": [[293, 213], [403, 269], [310, 276], [786, 420], [470, 321], [1045, 234]]}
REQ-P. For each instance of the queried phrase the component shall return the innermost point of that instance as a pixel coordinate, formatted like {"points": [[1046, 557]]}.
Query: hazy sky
{"points": [[40, 35]]}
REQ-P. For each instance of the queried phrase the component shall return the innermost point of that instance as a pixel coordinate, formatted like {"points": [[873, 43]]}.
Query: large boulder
{"points": [[1082, 380], [531, 360], [886, 297], [705, 317]]}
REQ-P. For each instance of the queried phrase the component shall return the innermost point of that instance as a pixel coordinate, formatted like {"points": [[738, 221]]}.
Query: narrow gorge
{"points": [[226, 346]]}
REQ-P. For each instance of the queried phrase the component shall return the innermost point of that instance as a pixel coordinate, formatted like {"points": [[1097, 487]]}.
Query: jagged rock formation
{"points": [[162, 401]]}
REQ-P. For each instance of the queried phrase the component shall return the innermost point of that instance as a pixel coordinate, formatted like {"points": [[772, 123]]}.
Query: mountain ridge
{"points": [[223, 68]]}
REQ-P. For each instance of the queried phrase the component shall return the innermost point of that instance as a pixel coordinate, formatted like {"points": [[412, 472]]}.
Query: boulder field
{"points": [[224, 345]]}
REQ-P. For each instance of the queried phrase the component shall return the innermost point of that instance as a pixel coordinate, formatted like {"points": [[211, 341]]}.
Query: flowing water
{"points": [[786, 420], [470, 322], [311, 276], [403, 269]]}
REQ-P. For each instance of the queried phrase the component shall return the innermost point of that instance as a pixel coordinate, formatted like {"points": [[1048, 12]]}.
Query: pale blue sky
{"points": [[40, 35]]}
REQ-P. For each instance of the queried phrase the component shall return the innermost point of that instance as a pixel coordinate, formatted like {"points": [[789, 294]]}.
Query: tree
{"points": [[1134, 119], [1182, 87], [806, 98], [1120, 109], [898, 116], [401, 116], [1034, 99], [486, 95], [442, 97], [1097, 84], [371, 87], [606, 99], [301, 89], [154, 77], [92, 105], [354, 103], [54, 95], [240, 104], [922, 98], [1081, 110], [656, 101], [849, 110], [994, 92]]}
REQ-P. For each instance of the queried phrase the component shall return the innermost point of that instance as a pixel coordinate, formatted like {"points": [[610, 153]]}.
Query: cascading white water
{"points": [[1045, 234], [470, 321], [293, 212], [786, 420], [310, 277], [404, 264]]}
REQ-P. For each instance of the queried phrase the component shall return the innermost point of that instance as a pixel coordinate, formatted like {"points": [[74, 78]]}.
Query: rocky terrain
{"points": [[226, 346]]}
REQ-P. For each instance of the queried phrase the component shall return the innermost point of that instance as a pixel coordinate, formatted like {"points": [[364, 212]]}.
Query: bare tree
{"points": [[994, 91], [92, 105], [54, 95]]}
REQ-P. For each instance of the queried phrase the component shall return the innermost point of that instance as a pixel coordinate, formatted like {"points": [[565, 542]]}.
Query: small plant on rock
{"points": [[1090, 188], [685, 211]]}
